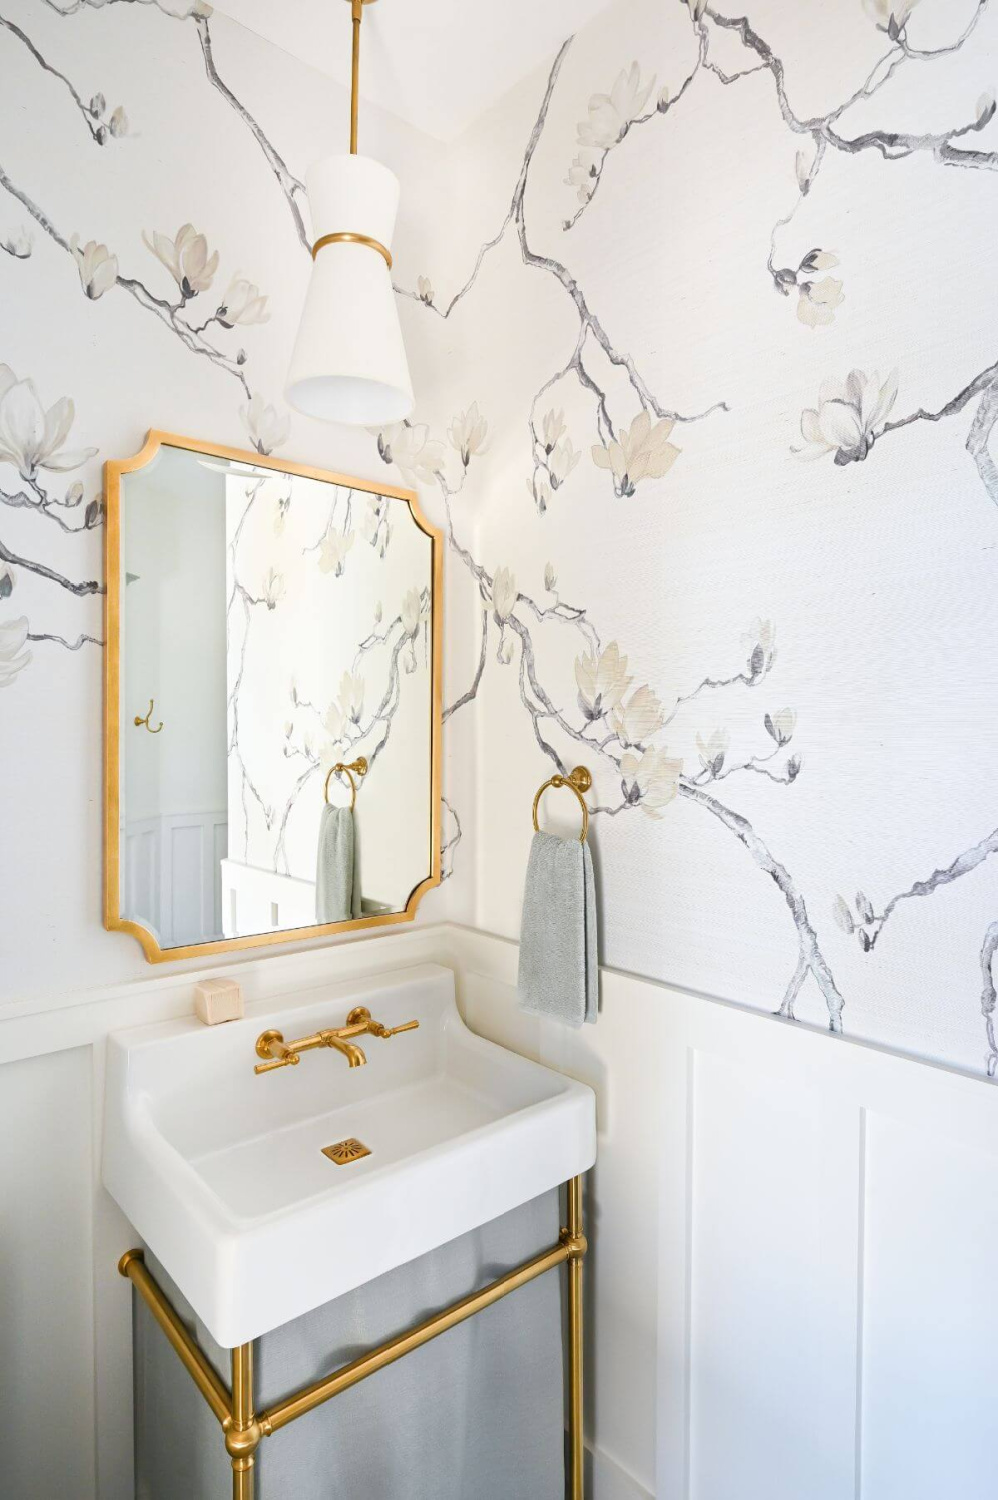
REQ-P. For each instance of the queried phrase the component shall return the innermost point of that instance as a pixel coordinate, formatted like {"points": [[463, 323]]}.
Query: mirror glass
{"points": [[271, 626]]}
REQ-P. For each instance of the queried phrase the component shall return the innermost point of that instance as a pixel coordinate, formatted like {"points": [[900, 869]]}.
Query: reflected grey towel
{"points": [[558, 965], [337, 888]]}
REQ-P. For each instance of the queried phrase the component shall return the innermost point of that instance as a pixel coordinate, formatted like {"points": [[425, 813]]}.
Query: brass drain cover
{"points": [[344, 1152]]}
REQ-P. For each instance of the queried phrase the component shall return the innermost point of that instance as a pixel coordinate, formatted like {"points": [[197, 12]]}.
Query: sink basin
{"points": [[221, 1171]]}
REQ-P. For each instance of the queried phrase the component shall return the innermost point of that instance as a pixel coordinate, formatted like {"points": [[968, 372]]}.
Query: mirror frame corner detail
{"points": [[113, 919]]}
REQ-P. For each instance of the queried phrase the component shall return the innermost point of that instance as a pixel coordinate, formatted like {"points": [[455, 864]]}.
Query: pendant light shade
{"points": [[349, 361]]}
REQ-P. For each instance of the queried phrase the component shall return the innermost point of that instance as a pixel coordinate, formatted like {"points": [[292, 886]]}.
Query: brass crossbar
{"points": [[244, 1431]]}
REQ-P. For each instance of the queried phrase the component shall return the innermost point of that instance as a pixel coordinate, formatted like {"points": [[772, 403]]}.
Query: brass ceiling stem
{"points": [[357, 7]]}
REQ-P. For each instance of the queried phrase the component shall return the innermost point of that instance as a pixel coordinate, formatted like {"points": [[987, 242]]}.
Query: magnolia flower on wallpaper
{"points": [[639, 719], [583, 174], [424, 290], [31, 438], [602, 680], [504, 595], [19, 244], [780, 726], [351, 697], [561, 462], [14, 655], [98, 268], [639, 452], [242, 303], [650, 779], [540, 492], [611, 114], [550, 578], [332, 723], [889, 15], [273, 589], [412, 612], [469, 433], [712, 750], [847, 415], [416, 455], [333, 551], [818, 300], [761, 641], [267, 429], [696, 8], [553, 429], [186, 258], [865, 915], [8, 578]]}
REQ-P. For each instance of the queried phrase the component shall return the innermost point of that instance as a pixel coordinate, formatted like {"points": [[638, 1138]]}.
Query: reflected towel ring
{"points": [[359, 766], [577, 781]]}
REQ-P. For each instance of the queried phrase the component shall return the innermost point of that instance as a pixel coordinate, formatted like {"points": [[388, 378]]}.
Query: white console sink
{"points": [[221, 1171]]}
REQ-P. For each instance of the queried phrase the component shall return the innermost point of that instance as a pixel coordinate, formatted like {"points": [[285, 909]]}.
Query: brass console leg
{"points": [[243, 1433], [576, 1449]]}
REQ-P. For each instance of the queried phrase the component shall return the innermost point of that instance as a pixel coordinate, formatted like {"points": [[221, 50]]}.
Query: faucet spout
{"points": [[353, 1054]]}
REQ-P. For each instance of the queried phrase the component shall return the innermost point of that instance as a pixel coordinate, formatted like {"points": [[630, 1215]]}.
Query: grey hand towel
{"points": [[337, 888], [558, 974]]}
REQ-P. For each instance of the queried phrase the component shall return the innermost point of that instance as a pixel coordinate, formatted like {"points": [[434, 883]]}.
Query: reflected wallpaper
{"points": [[709, 306]]}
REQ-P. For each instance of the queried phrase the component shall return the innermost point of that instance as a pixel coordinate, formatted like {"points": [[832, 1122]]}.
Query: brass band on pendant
{"points": [[353, 239]]}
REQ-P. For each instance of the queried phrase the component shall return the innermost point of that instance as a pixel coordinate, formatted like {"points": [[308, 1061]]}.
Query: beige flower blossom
{"points": [[19, 244], [186, 258], [651, 779], [611, 114], [333, 721], [333, 551], [14, 652], [818, 300], [712, 749], [503, 594], [780, 726], [266, 427], [562, 461], [602, 679], [550, 578], [273, 589], [469, 433], [553, 428], [416, 455], [118, 123], [883, 12], [761, 642], [639, 452], [639, 719], [539, 491], [31, 438], [98, 268], [582, 174], [847, 415], [424, 288], [242, 303], [412, 612]]}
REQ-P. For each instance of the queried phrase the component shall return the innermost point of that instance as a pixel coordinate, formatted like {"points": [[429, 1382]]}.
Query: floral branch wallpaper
{"points": [[703, 328]]}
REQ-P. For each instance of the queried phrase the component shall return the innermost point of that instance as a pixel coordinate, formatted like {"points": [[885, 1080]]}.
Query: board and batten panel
{"points": [[930, 1328], [46, 1307]]}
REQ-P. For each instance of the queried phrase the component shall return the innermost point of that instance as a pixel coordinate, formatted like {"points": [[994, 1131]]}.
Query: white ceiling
{"points": [[437, 63]]}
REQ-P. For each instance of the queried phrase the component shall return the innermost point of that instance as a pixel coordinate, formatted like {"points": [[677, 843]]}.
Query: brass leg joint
{"points": [[242, 1442], [576, 1244]]}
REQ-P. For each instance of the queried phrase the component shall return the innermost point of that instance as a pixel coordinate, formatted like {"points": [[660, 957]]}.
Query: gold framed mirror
{"points": [[272, 700]]}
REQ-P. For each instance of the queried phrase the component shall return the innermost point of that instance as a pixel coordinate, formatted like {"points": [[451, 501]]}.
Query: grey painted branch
{"points": [[962, 865], [988, 949], [89, 586], [468, 696], [98, 133], [811, 954], [60, 640], [979, 437]]}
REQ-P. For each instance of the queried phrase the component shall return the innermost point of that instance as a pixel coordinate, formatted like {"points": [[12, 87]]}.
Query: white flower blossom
{"points": [[847, 415], [553, 427], [19, 244], [98, 268], [14, 654], [333, 720], [273, 589], [333, 551], [118, 123], [416, 455], [7, 580], [424, 288], [651, 779], [639, 452], [352, 696], [883, 12], [469, 433], [186, 258], [503, 594], [780, 726], [242, 303], [266, 428], [639, 719], [611, 114], [412, 612], [561, 462], [602, 680], [550, 578], [582, 174], [761, 642], [31, 438], [539, 491], [712, 749]]}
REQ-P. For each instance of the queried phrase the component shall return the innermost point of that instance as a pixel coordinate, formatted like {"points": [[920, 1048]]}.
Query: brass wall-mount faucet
{"points": [[281, 1054]]}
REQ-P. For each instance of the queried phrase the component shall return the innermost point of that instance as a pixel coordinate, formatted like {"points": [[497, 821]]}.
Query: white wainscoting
{"points": [[172, 875], [790, 1294]]}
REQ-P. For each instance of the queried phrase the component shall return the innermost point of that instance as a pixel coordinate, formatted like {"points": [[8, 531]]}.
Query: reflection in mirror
{"points": [[278, 699]]}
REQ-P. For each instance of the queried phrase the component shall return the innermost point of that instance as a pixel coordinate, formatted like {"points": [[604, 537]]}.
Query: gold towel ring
{"points": [[359, 766], [577, 781]]}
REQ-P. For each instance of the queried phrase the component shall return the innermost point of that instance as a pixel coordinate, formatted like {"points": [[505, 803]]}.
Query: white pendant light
{"points": [[349, 361]]}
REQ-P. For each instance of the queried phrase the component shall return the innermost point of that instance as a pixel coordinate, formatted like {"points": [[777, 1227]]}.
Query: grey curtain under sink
{"points": [[477, 1414]]}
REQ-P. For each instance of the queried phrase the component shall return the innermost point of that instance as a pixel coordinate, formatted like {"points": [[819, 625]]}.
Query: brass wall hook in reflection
{"points": [[358, 767], [577, 781], [139, 719]]}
